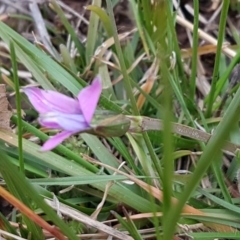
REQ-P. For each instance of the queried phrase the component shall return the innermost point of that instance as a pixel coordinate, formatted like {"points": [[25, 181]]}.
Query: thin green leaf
{"points": [[23, 190], [18, 104], [79, 180], [70, 30]]}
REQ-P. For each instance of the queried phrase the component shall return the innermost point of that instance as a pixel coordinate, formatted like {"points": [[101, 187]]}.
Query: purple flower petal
{"points": [[68, 122], [55, 140], [88, 98], [48, 101], [62, 112]]}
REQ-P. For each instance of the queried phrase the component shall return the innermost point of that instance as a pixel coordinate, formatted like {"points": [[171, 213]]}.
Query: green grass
{"points": [[133, 179]]}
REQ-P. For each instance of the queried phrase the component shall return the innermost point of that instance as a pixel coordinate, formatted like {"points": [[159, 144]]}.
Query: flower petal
{"points": [[56, 140], [88, 98], [47, 101], [68, 122]]}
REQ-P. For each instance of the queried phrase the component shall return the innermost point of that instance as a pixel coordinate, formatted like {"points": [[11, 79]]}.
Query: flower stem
{"points": [[142, 124]]}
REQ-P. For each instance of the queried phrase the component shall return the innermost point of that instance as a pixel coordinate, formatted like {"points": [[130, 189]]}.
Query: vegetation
{"points": [[161, 159]]}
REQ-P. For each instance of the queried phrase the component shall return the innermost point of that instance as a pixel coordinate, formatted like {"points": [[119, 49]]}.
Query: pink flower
{"points": [[62, 112]]}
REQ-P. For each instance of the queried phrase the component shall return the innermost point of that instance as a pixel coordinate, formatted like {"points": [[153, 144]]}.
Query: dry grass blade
{"points": [[66, 210], [30, 214], [72, 11], [150, 75], [158, 194], [101, 204], [101, 50], [16, 5], [202, 50], [129, 70], [226, 50], [40, 25], [12, 236]]}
